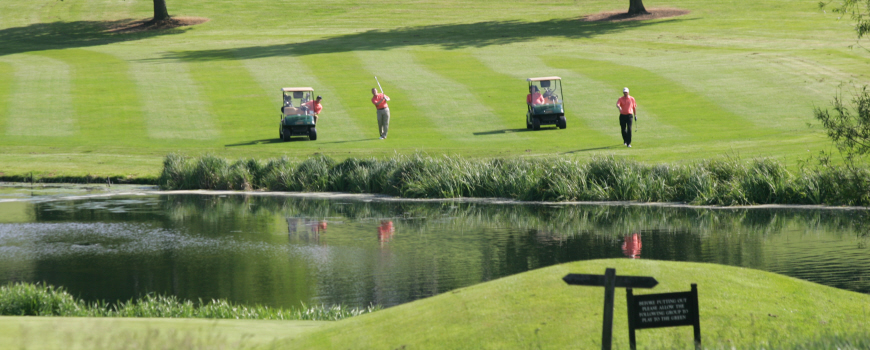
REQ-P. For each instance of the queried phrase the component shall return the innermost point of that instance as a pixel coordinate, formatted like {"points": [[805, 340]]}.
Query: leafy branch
{"points": [[848, 126]]}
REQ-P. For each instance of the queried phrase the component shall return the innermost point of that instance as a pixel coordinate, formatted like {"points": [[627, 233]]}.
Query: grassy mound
{"points": [[739, 307]]}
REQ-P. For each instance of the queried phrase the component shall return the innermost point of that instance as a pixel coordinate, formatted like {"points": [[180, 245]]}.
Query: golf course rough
{"points": [[79, 97]]}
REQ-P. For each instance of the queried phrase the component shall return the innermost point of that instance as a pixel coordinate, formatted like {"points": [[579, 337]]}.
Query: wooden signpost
{"points": [[609, 281], [663, 310], [644, 311]]}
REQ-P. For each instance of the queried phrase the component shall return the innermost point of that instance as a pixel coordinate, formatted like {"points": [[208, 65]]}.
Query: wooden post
{"points": [[629, 296], [607, 328], [609, 281], [696, 317]]}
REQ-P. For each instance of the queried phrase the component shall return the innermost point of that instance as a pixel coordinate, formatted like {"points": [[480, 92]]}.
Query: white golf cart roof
{"points": [[544, 78], [289, 89]]}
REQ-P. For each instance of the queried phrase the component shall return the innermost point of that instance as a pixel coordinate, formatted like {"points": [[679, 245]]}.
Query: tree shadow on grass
{"points": [[593, 149], [501, 131], [255, 142], [447, 36], [65, 35], [348, 141]]}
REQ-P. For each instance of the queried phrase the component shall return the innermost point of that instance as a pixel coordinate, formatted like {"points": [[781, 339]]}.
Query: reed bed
{"points": [[26, 299], [712, 182]]}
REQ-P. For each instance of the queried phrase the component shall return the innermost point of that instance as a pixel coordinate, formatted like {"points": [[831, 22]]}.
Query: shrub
{"points": [[713, 182]]}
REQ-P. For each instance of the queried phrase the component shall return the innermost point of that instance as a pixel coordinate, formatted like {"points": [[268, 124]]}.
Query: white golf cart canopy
{"points": [[291, 89], [543, 78]]}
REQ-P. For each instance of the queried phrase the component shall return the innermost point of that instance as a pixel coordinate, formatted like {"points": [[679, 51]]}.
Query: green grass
{"points": [[743, 308], [725, 79], [739, 308], [19, 333], [25, 299]]}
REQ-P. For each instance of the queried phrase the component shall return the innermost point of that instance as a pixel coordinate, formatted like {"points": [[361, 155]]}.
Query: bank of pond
{"points": [[726, 181]]}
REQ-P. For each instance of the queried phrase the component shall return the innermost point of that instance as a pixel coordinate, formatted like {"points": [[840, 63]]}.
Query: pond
{"points": [[280, 250]]}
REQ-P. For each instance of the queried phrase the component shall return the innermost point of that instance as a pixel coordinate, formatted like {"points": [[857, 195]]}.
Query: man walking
{"points": [[627, 108], [380, 102]]}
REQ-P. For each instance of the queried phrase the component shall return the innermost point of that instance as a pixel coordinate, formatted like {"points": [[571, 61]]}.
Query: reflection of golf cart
{"points": [[545, 107], [297, 118]]}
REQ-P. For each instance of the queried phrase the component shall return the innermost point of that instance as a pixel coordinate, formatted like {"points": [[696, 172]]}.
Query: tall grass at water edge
{"points": [[727, 181], [26, 299]]}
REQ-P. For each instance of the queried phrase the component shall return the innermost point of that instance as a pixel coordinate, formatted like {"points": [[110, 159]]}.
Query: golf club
{"points": [[635, 119], [379, 84]]}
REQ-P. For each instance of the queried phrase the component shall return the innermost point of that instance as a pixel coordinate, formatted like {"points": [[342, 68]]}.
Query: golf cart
{"points": [[297, 119], [545, 103]]}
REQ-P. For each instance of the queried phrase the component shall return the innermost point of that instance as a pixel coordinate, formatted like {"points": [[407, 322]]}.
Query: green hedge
{"points": [[711, 182], [26, 299]]}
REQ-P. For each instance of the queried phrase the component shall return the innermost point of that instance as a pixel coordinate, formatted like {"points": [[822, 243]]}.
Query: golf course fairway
{"points": [[743, 308], [83, 94]]}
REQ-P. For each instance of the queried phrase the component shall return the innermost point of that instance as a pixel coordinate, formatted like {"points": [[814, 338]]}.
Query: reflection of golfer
{"points": [[627, 108], [631, 246], [380, 102], [385, 231]]}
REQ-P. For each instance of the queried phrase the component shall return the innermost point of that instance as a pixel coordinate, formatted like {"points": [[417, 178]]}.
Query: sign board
{"points": [[609, 280], [620, 282], [663, 310]]}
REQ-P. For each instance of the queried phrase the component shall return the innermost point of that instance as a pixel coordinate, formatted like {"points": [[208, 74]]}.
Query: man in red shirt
{"points": [[315, 107], [627, 108], [534, 97], [380, 102]]}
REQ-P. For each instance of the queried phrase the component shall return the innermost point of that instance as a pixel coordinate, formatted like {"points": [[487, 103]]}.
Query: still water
{"points": [[281, 250]]}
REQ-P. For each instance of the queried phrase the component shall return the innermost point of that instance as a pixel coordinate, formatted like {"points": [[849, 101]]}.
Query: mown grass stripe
{"points": [[6, 75], [767, 88], [588, 109], [237, 104], [171, 102], [104, 96], [670, 101], [502, 95], [40, 99], [275, 73], [345, 74], [448, 104]]}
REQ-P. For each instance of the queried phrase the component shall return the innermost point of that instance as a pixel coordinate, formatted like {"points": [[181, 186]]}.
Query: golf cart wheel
{"points": [[562, 122], [285, 134], [536, 124], [312, 134]]}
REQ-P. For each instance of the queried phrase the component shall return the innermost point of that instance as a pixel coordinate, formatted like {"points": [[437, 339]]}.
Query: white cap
{"points": [[625, 90]]}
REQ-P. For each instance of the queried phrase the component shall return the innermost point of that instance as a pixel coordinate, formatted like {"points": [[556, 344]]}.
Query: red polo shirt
{"points": [[378, 97], [314, 106], [626, 105], [534, 98]]}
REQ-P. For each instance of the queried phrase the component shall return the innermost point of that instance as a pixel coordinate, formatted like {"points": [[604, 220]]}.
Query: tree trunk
{"points": [[634, 8], [160, 12]]}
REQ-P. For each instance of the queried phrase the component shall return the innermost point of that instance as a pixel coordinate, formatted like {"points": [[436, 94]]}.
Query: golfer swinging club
{"points": [[380, 102], [627, 108]]}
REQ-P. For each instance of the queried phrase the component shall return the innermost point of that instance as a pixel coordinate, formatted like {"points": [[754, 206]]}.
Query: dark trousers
{"points": [[625, 125]]}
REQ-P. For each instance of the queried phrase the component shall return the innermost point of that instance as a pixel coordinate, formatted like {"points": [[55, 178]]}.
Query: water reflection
{"points": [[631, 246], [281, 251], [385, 231]]}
